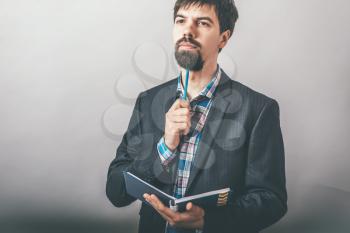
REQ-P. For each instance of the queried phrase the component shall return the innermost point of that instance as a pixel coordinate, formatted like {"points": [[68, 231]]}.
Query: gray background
{"points": [[69, 74]]}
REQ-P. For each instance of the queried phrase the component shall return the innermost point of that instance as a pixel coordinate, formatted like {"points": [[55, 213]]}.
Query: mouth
{"points": [[187, 46]]}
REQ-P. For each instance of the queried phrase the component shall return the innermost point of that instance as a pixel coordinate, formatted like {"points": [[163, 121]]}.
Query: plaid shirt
{"points": [[200, 106]]}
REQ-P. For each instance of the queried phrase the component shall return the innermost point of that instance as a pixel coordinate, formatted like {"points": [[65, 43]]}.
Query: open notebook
{"points": [[136, 187]]}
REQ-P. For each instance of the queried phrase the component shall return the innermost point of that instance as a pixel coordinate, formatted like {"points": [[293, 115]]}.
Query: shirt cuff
{"points": [[165, 154]]}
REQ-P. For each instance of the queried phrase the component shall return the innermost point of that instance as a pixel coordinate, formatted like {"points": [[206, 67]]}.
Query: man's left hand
{"points": [[192, 218]]}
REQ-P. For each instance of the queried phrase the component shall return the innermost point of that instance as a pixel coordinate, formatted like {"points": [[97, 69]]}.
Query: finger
{"points": [[155, 202], [182, 127], [184, 103], [181, 112], [180, 219], [186, 131], [189, 206], [175, 105], [162, 208], [166, 217], [196, 210], [179, 119], [157, 205], [146, 196]]}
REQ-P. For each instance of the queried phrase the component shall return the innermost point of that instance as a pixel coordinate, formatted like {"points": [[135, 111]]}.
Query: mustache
{"points": [[188, 40]]}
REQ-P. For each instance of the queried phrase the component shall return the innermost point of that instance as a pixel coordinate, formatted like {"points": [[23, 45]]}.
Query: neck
{"points": [[198, 79]]}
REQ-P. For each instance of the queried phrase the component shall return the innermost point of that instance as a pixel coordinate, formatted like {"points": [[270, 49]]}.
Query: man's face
{"points": [[196, 35]]}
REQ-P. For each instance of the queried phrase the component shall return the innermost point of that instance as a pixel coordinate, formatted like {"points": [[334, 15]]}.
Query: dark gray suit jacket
{"points": [[241, 148]]}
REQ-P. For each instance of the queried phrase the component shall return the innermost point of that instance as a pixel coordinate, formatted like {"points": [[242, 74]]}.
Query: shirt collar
{"points": [[207, 91]]}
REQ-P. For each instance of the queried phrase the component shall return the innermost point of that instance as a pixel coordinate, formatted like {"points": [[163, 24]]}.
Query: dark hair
{"points": [[226, 11]]}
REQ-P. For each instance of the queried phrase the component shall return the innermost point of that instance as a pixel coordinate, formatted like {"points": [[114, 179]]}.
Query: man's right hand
{"points": [[177, 123]]}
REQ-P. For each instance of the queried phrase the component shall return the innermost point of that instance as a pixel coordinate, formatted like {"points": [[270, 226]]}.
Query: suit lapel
{"points": [[220, 103]]}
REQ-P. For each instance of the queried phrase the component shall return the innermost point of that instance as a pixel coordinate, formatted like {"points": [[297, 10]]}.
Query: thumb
{"points": [[189, 206]]}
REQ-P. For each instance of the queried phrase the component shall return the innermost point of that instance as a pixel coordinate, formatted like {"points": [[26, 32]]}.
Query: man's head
{"points": [[201, 29]]}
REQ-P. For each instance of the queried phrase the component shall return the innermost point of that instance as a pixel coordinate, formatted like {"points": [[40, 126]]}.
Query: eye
{"points": [[179, 21], [203, 23]]}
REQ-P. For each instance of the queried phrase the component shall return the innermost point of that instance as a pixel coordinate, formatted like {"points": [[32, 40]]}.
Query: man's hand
{"points": [[192, 218], [177, 122]]}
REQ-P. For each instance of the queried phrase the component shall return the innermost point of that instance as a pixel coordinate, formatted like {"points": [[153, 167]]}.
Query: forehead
{"points": [[196, 11]]}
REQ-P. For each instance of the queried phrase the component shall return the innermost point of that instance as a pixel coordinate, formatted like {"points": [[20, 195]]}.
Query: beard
{"points": [[191, 60]]}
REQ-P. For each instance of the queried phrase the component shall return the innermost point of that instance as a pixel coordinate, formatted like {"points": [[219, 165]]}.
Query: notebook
{"points": [[136, 187]]}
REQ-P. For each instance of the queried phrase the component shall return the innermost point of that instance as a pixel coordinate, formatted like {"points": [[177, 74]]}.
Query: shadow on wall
{"points": [[321, 209], [61, 224]]}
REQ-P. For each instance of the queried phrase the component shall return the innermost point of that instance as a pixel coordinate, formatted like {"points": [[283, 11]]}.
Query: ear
{"points": [[225, 36]]}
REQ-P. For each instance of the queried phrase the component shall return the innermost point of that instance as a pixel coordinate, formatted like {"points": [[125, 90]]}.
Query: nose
{"points": [[189, 29]]}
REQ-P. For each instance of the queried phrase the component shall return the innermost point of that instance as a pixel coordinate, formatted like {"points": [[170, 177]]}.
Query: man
{"points": [[224, 135]]}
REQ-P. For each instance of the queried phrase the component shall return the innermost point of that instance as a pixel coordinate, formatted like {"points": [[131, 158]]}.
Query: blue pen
{"points": [[186, 84]]}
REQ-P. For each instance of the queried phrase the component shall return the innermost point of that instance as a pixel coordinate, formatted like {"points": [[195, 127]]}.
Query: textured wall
{"points": [[70, 72]]}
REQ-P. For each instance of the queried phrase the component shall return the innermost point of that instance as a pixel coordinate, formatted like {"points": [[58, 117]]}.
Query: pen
{"points": [[186, 84]]}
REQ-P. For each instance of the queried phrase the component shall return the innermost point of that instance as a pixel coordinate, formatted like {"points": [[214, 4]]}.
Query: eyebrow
{"points": [[199, 18]]}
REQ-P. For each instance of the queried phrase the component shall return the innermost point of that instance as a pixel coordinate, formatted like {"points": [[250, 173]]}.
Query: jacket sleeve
{"points": [[129, 157], [264, 200], [138, 154]]}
